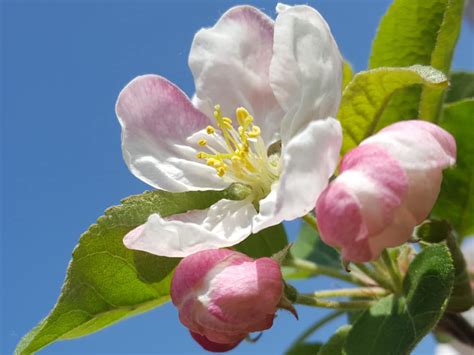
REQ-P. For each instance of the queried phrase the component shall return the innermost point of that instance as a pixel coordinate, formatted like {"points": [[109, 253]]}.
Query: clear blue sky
{"points": [[63, 64]]}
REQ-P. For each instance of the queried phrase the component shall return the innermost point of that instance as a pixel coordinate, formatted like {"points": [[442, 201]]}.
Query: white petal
{"points": [[230, 64], [309, 159], [203, 106], [306, 68], [156, 119], [224, 224], [401, 139], [395, 234]]}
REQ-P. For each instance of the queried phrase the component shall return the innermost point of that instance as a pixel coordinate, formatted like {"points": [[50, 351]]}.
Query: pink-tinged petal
{"points": [[423, 150], [395, 234], [156, 118], [192, 270], [361, 203], [424, 187], [374, 174], [340, 223], [310, 156], [230, 64], [444, 138], [417, 145], [224, 224], [306, 68], [195, 316], [211, 346], [256, 289]]}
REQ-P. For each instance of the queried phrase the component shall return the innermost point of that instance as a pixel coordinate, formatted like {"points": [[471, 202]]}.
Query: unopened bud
{"points": [[223, 295]]}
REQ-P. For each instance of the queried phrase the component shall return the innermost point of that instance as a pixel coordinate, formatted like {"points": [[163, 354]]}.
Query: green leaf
{"points": [[352, 316], [335, 344], [309, 246], [395, 324], [304, 349], [456, 199], [347, 74], [461, 297], [435, 231], [301, 346], [107, 282], [365, 98], [461, 87], [265, 243], [417, 32]]}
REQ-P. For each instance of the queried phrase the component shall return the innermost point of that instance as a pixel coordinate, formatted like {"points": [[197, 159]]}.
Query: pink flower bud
{"points": [[223, 295], [386, 186], [211, 346]]}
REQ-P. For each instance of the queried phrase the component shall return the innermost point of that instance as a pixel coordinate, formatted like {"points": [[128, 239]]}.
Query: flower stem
{"points": [[378, 278], [316, 269], [316, 326], [311, 220], [311, 300], [352, 292], [393, 271]]}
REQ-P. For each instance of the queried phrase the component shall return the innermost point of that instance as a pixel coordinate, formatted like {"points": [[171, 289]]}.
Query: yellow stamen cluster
{"points": [[237, 143], [239, 154]]}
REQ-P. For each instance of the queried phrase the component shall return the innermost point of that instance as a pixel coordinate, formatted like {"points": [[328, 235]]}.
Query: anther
{"points": [[210, 130], [202, 142], [241, 114], [214, 162], [255, 132], [217, 111]]}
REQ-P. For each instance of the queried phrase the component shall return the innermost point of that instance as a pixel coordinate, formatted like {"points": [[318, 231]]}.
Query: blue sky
{"points": [[63, 64]]}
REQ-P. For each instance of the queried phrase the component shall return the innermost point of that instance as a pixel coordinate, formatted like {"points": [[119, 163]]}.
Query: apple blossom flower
{"points": [[223, 295], [262, 116], [386, 186]]}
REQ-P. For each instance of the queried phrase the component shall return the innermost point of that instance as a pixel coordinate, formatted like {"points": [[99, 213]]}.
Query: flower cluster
{"points": [[262, 116]]}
